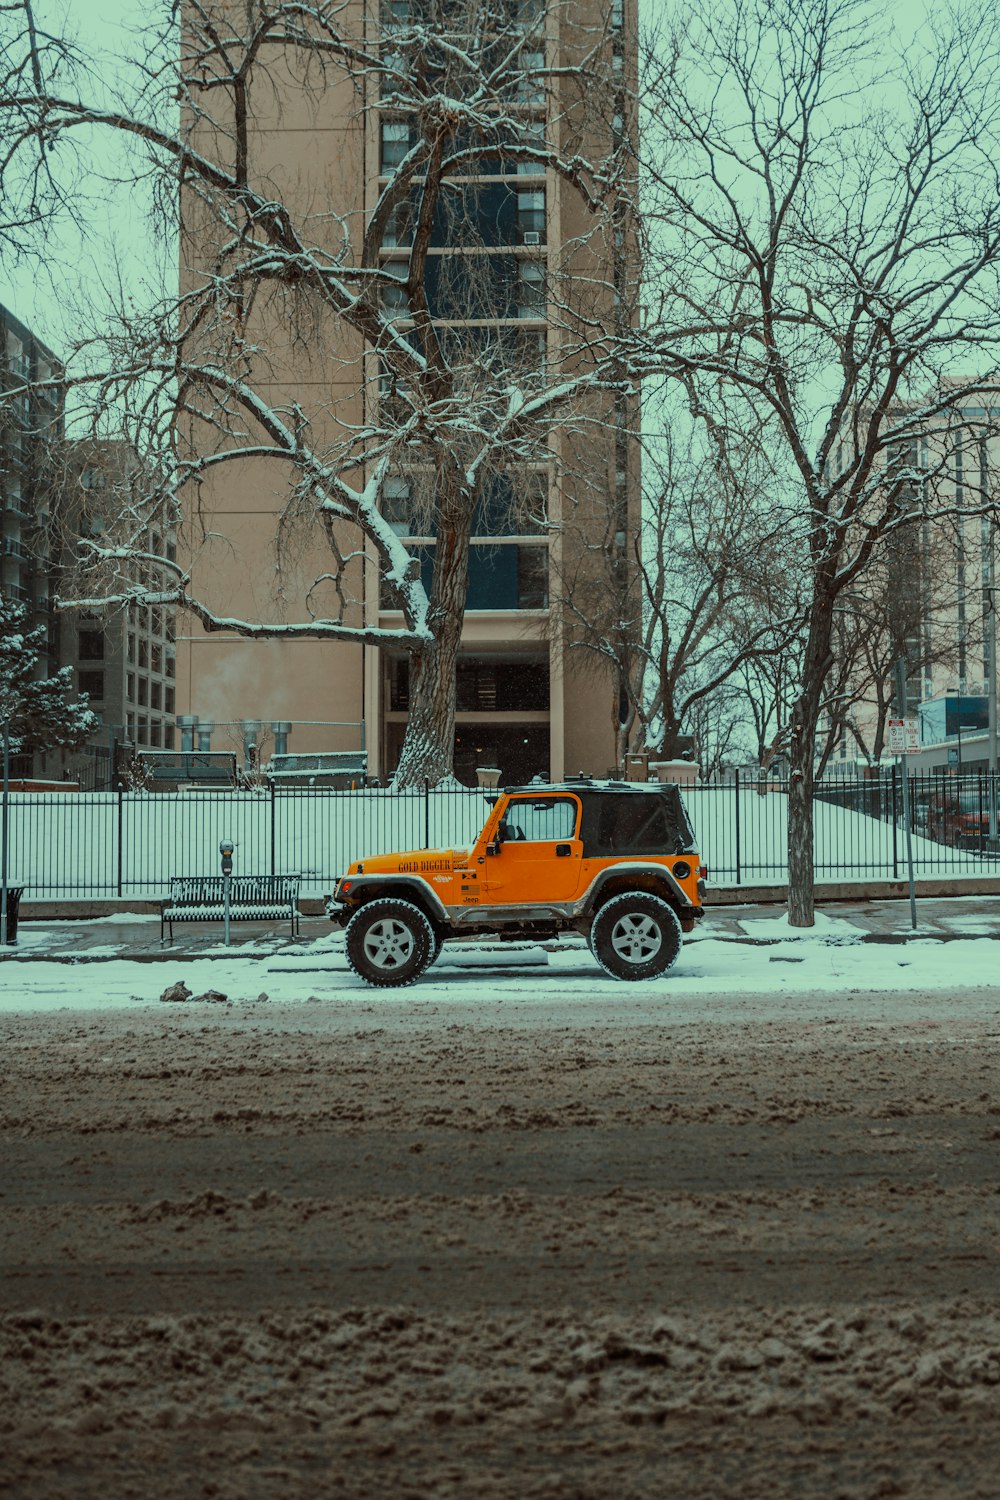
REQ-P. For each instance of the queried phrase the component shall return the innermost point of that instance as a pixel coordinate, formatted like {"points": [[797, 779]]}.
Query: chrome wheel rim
{"points": [[636, 938], [389, 944]]}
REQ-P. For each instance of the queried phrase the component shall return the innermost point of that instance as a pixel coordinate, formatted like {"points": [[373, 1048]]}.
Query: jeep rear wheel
{"points": [[389, 943], [635, 936]]}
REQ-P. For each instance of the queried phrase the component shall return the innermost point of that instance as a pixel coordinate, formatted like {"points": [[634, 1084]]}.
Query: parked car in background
{"points": [[959, 815]]}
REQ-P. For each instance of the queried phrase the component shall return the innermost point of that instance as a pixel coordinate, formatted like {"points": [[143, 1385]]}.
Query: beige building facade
{"points": [[526, 703]]}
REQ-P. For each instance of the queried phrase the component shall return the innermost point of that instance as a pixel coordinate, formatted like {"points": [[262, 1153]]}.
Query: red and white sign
{"points": [[903, 736]]}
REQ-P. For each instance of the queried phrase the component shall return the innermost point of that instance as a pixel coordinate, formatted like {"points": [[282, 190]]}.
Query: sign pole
{"points": [[901, 698]]}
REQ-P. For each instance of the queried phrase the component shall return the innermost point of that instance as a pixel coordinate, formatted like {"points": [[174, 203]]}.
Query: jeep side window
{"points": [[539, 822]]}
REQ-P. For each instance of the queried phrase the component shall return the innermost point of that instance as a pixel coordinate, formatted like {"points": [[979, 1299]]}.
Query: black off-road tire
{"points": [[635, 936], [437, 943], [389, 943]]}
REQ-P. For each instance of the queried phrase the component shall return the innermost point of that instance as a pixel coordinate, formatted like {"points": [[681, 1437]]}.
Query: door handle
{"points": [[562, 850]]}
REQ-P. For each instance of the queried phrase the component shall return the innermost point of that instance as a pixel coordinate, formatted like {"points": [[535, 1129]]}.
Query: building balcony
{"points": [[14, 547]]}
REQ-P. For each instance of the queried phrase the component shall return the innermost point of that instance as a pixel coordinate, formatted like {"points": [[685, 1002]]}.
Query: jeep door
{"points": [[540, 852]]}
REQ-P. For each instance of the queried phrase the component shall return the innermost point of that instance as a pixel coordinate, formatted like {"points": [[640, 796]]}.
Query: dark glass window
{"points": [[91, 645], [501, 576], [484, 685], [92, 683]]}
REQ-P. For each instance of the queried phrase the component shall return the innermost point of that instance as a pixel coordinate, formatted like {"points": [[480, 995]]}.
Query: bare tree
{"points": [[698, 587], [914, 609], [298, 287], [824, 196]]}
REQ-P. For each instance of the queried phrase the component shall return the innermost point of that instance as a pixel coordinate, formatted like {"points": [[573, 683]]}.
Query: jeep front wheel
{"points": [[389, 943], [635, 936]]}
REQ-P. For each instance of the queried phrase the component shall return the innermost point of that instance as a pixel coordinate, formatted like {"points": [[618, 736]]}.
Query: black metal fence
{"points": [[121, 844]]}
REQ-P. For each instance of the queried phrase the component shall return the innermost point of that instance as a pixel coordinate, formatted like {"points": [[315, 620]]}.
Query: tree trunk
{"points": [[816, 666], [801, 907], [428, 751]]}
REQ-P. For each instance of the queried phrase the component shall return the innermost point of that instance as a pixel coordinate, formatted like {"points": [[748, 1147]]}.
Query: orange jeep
{"points": [[614, 861]]}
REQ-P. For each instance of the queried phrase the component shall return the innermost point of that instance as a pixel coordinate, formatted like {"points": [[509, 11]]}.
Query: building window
{"points": [[156, 620], [395, 299], [169, 666], [168, 700], [168, 736], [532, 578], [395, 143], [143, 692], [530, 289], [92, 683], [154, 733], [142, 730], [531, 88], [130, 687], [155, 695], [91, 645], [143, 654], [396, 503], [534, 135], [131, 648], [399, 229], [531, 218], [156, 658]]}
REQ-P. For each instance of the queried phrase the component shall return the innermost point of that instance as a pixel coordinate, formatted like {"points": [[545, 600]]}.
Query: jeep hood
{"points": [[410, 862]]}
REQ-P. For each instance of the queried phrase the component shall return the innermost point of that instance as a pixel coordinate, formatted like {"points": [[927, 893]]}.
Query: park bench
{"points": [[252, 898]]}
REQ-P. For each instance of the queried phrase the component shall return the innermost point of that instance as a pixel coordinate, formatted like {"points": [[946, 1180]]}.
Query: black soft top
{"points": [[624, 818]]}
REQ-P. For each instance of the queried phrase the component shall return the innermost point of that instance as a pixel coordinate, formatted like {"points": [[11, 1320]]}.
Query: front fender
{"points": [[363, 887]]}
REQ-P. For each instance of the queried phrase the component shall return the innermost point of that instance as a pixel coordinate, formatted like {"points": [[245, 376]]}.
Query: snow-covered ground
{"points": [[831, 958]]}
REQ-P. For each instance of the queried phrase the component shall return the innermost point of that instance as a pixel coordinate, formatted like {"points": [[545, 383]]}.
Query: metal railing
{"points": [[128, 844]]}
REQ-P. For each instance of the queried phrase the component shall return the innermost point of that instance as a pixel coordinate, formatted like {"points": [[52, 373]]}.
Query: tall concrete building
{"points": [[526, 703]]}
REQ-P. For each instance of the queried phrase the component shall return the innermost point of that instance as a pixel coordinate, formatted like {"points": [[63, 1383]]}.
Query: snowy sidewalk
{"points": [[137, 937]]}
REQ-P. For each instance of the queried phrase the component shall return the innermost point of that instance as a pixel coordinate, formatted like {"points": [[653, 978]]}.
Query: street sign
{"points": [[903, 736]]}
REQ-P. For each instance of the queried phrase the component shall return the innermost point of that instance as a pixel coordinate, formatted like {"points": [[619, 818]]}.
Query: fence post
{"points": [[121, 829], [895, 829], [736, 784], [273, 826], [427, 815]]}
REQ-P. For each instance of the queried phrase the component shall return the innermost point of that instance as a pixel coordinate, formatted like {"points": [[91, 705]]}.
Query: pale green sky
{"points": [[81, 264]]}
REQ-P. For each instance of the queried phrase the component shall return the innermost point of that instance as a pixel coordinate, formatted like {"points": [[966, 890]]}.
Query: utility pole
{"points": [[901, 700], [990, 623]]}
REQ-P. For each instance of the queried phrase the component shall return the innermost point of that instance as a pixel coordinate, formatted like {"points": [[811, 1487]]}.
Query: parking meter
{"points": [[226, 850]]}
